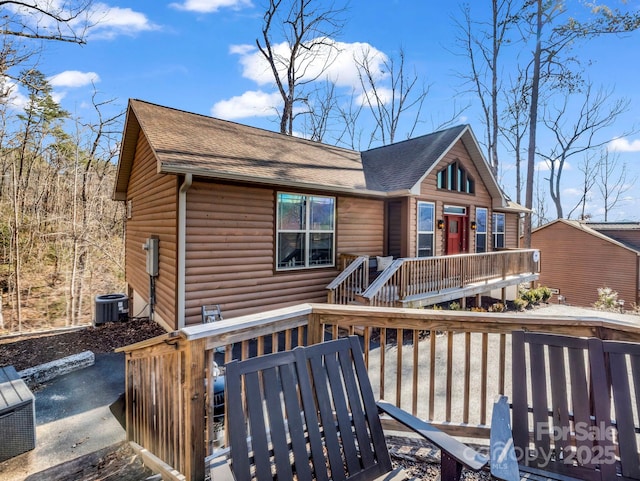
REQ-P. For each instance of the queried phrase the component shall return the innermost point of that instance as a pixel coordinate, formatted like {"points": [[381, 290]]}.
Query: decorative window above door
{"points": [[455, 177]]}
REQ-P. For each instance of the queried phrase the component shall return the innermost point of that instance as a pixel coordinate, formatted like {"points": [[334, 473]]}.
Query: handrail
{"points": [[409, 277], [352, 281]]}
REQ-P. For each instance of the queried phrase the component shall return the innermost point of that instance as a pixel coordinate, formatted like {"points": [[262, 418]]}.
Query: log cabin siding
{"points": [[512, 230], [154, 212], [578, 263], [360, 226], [429, 192], [231, 249]]}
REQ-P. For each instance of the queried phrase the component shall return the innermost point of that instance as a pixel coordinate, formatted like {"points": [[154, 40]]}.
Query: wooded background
{"points": [[61, 234]]}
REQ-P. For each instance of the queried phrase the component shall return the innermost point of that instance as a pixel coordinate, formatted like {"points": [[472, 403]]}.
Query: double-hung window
{"points": [[305, 231], [498, 230], [481, 229], [426, 214]]}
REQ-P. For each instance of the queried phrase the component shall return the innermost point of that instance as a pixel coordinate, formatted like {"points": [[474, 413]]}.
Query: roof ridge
{"points": [[248, 127], [413, 139]]}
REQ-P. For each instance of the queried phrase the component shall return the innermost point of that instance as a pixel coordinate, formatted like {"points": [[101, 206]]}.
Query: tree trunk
{"points": [[533, 121]]}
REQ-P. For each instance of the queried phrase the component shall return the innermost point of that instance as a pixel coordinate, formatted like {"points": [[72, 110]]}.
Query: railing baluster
{"points": [[399, 343], [416, 364], [483, 378], [467, 377], [447, 416], [432, 372]]}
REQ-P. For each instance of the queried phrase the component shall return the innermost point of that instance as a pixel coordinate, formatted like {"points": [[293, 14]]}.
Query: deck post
{"points": [[314, 329], [194, 406]]}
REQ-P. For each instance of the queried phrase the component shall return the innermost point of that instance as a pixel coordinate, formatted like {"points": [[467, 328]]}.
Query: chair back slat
{"points": [[306, 414], [554, 418], [623, 360]]}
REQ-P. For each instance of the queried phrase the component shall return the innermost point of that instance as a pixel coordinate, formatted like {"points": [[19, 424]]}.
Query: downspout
{"points": [[182, 248]]}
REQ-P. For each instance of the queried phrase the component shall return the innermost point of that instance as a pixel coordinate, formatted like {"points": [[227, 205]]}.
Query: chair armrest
{"points": [[504, 464], [462, 453]]}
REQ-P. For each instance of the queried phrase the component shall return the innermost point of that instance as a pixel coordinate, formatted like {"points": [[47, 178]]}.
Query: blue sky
{"points": [[199, 56]]}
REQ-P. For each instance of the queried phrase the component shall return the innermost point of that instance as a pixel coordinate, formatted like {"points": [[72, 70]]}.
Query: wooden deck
{"points": [[419, 282], [448, 370]]}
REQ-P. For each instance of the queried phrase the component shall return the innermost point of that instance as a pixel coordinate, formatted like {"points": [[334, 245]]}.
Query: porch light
{"points": [[473, 225], [440, 224]]}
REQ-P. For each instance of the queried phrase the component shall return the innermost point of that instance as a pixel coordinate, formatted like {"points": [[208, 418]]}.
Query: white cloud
{"points": [[15, 100], [255, 103], [572, 192], [623, 145], [210, 6], [109, 22], [328, 59], [545, 166], [369, 97], [73, 78]]}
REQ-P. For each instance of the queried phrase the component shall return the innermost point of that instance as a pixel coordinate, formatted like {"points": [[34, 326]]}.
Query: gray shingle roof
{"points": [[402, 165]]}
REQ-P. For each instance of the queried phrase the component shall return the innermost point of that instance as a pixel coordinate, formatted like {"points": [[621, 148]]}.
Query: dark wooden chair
{"points": [[619, 362], [558, 407], [310, 414]]}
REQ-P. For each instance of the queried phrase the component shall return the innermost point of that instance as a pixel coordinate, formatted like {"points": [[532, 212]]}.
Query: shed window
{"points": [[305, 231], [498, 230], [481, 229], [425, 229], [454, 177]]}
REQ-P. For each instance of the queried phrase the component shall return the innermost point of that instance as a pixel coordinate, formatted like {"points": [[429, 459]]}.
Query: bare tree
{"points": [[514, 125], [576, 133], [62, 21], [390, 104], [588, 167], [483, 43], [612, 180], [349, 114], [308, 28], [552, 35], [321, 108], [101, 149]]}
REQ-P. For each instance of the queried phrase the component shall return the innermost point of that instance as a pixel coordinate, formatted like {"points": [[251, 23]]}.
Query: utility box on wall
{"points": [[17, 415], [152, 247]]}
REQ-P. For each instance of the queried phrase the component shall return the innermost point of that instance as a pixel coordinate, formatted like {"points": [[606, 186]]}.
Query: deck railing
{"points": [[407, 282], [448, 368], [351, 282]]}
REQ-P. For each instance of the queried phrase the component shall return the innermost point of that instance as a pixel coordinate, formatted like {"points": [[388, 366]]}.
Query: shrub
{"points": [[455, 306], [497, 307], [607, 299], [520, 304], [530, 295], [545, 293]]}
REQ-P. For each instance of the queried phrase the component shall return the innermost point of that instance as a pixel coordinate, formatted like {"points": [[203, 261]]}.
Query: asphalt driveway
{"points": [[73, 417]]}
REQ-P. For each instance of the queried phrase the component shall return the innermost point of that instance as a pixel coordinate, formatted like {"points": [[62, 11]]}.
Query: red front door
{"points": [[456, 234]]}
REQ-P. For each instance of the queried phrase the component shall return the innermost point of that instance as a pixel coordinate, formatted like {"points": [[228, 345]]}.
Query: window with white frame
{"points": [[481, 229], [305, 231], [498, 230], [426, 215]]}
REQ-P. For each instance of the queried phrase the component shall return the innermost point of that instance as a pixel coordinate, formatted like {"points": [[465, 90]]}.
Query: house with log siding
{"points": [[248, 219]]}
